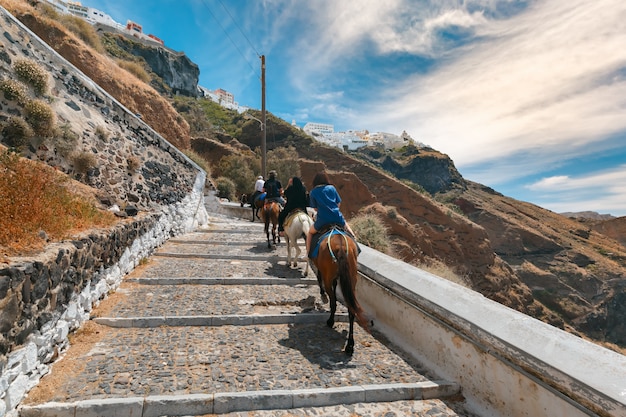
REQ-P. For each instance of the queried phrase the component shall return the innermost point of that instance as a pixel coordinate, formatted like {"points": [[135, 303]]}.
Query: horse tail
{"points": [[347, 270]]}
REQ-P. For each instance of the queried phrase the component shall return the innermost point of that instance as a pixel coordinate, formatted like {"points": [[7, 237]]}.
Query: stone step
{"points": [[415, 394], [137, 300], [204, 267], [107, 362]]}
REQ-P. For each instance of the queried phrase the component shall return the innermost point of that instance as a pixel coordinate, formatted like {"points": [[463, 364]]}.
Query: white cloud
{"points": [[600, 191], [546, 79]]}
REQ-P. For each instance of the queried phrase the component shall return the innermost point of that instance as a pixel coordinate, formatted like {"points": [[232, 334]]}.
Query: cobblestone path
{"points": [[216, 323]]}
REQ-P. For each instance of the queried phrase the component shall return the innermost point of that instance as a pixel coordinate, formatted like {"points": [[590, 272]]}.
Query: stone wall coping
{"points": [[534, 345]]}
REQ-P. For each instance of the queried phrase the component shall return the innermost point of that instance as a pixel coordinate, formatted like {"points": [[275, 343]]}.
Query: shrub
{"points": [[133, 163], [225, 188], [135, 68], [34, 200], [440, 269], [65, 140], [83, 162], [198, 159], [32, 74], [371, 231], [14, 91], [102, 133], [285, 162], [40, 117], [17, 133], [238, 168]]}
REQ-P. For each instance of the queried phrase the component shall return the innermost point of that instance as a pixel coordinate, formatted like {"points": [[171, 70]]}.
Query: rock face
{"points": [[175, 68], [424, 166]]}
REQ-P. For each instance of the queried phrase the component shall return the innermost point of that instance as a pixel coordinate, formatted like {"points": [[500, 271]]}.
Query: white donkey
{"points": [[297, 225]]}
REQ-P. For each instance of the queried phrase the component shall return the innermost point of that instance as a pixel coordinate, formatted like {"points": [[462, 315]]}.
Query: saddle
{"points": [[292, 215], [325, 232]]}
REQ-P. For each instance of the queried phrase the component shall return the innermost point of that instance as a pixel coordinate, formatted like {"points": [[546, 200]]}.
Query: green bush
{"points": [[14, 91], [371, 231], [239, 169], [285, 162], [225, 188], [17, 133], [31, 73], [40, 117]]}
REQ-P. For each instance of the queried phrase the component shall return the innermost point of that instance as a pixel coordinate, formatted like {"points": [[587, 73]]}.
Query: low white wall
{"points": [[507, 363]]}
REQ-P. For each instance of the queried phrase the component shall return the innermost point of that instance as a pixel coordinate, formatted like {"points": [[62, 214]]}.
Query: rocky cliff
{"points": [[432, 170], [176, 70]]}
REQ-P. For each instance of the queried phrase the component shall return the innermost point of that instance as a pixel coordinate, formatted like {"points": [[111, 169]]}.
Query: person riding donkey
{"points": [[273, 189], [325, 200], [296, 200], [258, 190]]}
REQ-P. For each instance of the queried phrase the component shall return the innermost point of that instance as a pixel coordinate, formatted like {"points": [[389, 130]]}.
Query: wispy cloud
{"points": [[548, 77], [599, 191]]}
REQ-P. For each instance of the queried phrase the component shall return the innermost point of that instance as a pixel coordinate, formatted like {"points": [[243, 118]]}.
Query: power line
{"points": [[206, 4], [239, 28]]}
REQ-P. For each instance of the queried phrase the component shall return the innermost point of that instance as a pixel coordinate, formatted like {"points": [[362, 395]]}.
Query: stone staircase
{"points": [[215, 323]]}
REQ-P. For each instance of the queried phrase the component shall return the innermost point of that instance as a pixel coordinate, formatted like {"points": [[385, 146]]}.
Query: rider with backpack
{"points": [[273, 189]]}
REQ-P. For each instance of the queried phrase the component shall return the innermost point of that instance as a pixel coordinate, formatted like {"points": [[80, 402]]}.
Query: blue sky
{"points": [[526, 96]]}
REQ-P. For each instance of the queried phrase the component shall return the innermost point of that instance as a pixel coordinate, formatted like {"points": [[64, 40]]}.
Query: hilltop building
{"points": [[95, 16], [223, 98], [354, 139], [318, 128]]}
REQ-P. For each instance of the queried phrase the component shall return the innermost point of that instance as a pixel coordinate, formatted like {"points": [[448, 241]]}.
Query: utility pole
{"points": [[264, 121]]}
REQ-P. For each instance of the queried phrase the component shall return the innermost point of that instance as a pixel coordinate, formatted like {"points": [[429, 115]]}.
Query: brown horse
{"points": [[270, 212], [336, 263]]}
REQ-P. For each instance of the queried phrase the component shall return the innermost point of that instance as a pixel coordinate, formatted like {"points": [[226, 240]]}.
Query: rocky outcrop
{"points": [[178, 72], [614, 228], [432, 170], [570, 268]]}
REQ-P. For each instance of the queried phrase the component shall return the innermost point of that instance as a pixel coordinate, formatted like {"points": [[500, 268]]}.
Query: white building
{"points": [[223, 98], [95, 16], [318, 128]]}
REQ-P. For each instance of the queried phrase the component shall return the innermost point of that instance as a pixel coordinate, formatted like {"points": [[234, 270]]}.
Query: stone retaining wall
{"points": [[45, 299]]}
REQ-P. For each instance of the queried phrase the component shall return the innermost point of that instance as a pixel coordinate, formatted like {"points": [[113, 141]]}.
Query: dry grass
{"points": [[36, 206]]}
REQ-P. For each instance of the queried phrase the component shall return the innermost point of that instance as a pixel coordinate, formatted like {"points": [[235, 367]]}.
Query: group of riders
{"points": [[323, 198]]}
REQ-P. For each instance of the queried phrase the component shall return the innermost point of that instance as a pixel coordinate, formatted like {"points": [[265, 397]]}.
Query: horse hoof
{"points": [[330, 323], [349, 350]]}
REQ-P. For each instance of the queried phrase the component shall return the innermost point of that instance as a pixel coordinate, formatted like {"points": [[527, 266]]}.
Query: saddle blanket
{"points": [[292, 215]]}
